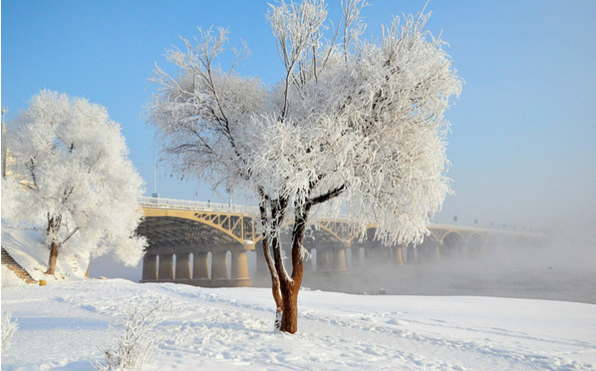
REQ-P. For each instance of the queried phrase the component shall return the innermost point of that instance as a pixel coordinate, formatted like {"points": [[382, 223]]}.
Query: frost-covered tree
{"points": [[76, 179], [353, 123], [9, 328], [134, 339]]}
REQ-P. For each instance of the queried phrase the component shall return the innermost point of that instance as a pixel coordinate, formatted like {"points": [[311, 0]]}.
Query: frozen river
{"points": [[535, 274]]}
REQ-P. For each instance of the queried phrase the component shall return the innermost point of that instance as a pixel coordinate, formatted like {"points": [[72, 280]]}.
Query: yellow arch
{"points": [[192, 215], [452, 231]]}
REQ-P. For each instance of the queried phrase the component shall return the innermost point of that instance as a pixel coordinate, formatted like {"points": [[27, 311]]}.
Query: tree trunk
{"points": [[275, 286], [289, 319], [54, 223], [285, 288], [291, 288], [53, 259]]}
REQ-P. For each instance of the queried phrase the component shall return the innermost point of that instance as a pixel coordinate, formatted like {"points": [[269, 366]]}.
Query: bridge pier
{"points": [[339, 263], [398, 254], [219, 265], [323, 263], [261, 264], [308, 264], [150, 267], [412, 254], [166, 267], [200, 267], [183, 266], [239, 265]]}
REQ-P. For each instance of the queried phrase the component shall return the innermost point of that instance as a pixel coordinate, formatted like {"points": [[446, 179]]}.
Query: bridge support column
{"points": [[359, 257], [239, 264], [399, 254], [464, 252], [323, 263], [339, 261], [308, 266], [166, 267], [219, 265], [150, 267], [200, 267], [183, 266], [261, 263]]}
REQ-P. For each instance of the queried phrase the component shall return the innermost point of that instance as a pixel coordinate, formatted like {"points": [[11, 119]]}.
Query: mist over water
{"points": [[562, 269]]}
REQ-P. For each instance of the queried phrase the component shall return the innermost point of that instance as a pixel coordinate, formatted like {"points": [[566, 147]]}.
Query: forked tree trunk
{"points": [[285, 288]]}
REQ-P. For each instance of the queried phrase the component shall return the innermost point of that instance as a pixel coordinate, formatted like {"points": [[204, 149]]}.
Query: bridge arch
{"points": [[475, 245], [452, 245], [428, 250]]}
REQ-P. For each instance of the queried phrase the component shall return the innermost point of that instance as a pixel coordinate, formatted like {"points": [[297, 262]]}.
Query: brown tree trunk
{"points": [[286, 288], [53, 259], [289, 319], [291, 288]]}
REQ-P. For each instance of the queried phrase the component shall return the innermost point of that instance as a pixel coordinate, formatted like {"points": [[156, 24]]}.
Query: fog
{"points": [[560, 267]]}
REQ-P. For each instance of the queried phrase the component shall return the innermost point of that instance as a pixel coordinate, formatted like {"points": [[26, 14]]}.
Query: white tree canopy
{"points": [[359, 122], [72, 162]]}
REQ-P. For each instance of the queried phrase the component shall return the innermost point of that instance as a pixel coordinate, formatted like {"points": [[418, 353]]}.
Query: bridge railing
{"points": [[320, 215], [169, 203]]}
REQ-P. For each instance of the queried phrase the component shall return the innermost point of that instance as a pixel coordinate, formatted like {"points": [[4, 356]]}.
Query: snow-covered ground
{"points": [[63, 325]]}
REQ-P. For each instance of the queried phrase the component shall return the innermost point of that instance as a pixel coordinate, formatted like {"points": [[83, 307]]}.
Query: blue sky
{"points": [[523, 140]]}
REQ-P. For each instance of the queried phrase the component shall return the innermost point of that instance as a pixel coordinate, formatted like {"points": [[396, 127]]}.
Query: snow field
{"points": [[63, 325]]}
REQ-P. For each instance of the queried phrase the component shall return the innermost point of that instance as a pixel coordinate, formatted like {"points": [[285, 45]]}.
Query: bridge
{"points": [[208, 244]]}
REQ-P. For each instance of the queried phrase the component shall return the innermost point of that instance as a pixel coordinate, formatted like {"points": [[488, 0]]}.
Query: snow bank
{"points": [[9, 278], [27, 247], [232, 329]]}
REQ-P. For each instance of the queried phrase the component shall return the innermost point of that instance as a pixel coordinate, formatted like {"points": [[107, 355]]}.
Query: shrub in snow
{"points": [[8, 329], [134, 339], [75, 179]]}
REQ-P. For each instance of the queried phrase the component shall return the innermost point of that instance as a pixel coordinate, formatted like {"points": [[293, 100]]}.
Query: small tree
{"points": [[9, 328], [71, 161], [355, 122], [134, 340]]}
